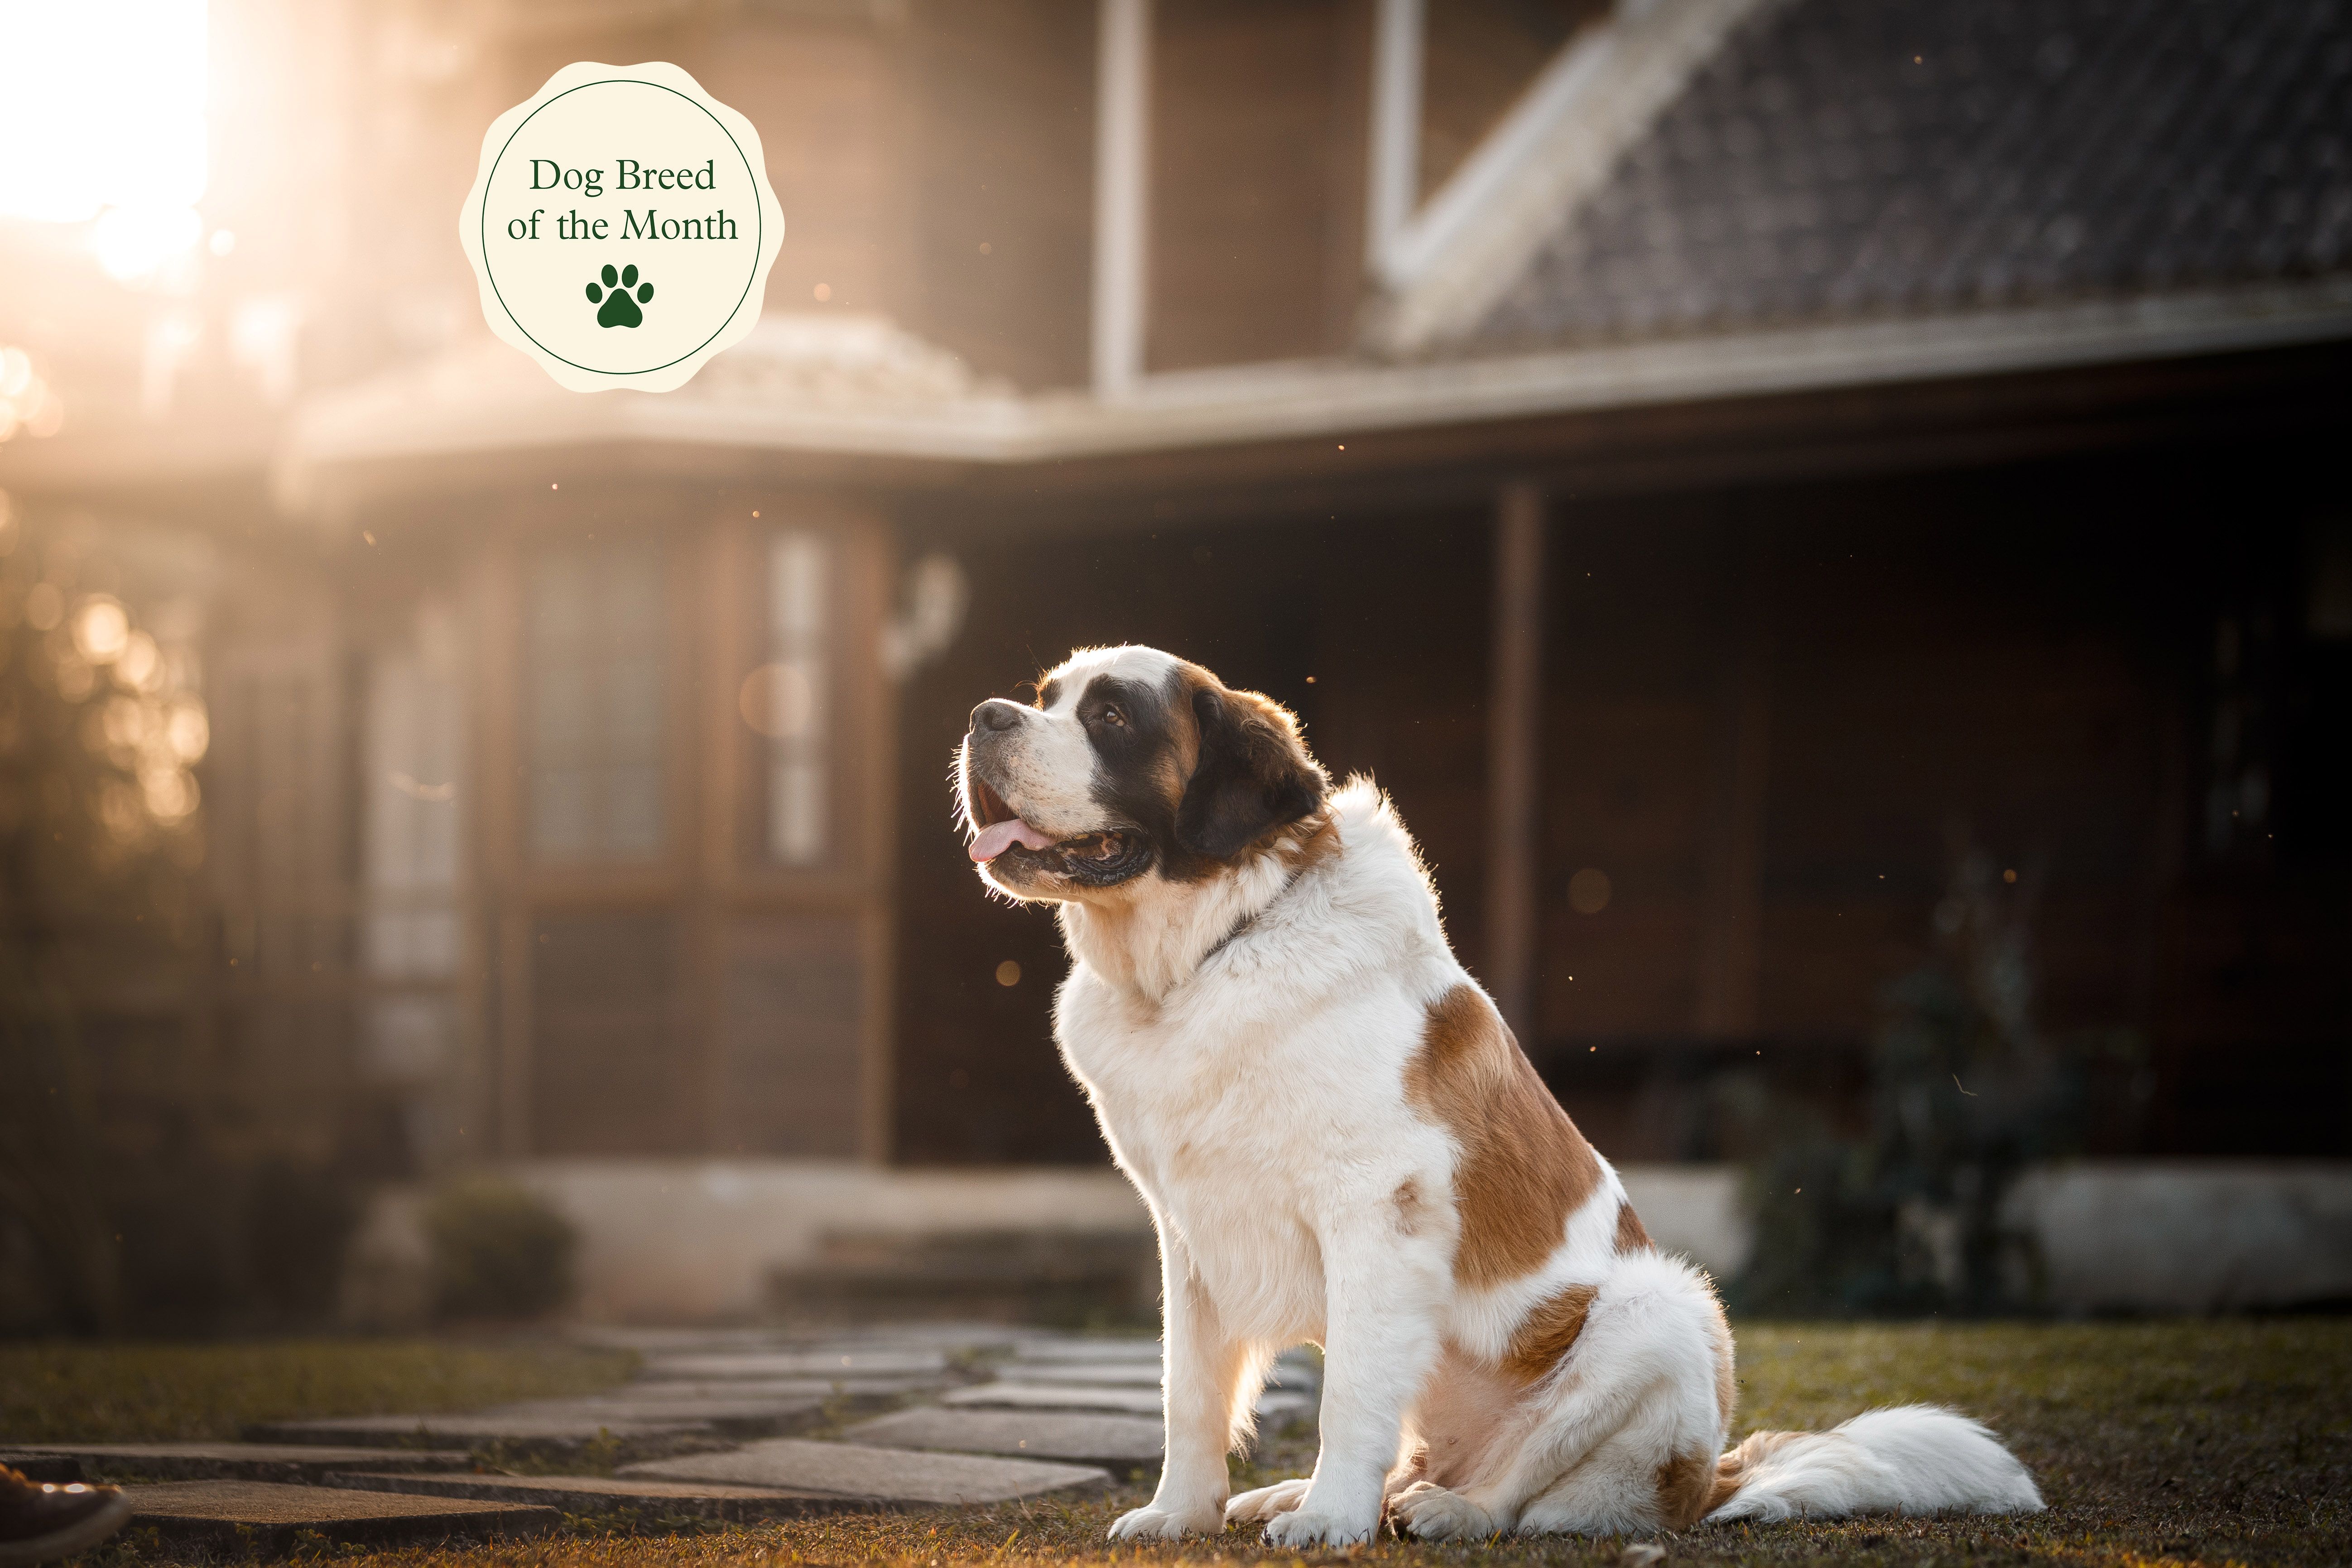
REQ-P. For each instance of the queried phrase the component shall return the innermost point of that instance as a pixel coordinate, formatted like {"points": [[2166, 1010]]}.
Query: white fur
{"points": [[1246, 1042], [1912, 1458]]}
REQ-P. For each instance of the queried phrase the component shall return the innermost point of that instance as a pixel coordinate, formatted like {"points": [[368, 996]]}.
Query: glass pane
{"points": [[598, 656], [796, 812], [796, 680], [633, 810], [561, 824]]}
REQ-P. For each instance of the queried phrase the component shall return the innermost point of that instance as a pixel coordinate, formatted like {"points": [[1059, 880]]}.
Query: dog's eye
{"points": [[1113, 716]]}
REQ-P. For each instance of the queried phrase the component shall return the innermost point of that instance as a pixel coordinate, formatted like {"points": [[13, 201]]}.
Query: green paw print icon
{"points": [[620, 310]]}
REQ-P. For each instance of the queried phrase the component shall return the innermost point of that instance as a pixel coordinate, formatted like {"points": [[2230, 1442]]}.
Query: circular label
{"points": [[622, 226]]}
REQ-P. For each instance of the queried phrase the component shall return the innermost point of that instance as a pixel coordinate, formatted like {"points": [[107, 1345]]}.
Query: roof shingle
{"points": [[1844, 159]]}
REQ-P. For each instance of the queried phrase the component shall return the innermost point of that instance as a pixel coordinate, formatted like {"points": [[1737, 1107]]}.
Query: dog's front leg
{"points": [[1202, 1367], [1379, 1339]]}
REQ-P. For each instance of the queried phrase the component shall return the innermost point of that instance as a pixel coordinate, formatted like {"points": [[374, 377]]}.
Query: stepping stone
{"points": [[246, 1461], [599, 1494], [1103, 1373], [666, 1393], [1090, 1351], [897, 1362], [1116, 1443], [1272, 1404], [735, 1417], [266, 1517], [884, 1477], [556, 1434], [677, 1342]]}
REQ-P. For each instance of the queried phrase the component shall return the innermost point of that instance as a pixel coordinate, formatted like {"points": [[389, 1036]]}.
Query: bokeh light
{"points": [[103, 103]]}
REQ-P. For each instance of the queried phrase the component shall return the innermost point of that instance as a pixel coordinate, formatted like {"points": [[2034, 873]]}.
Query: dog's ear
{"points": [[1254, 775]]}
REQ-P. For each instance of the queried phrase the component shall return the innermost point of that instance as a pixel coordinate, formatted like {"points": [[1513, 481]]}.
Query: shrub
{"points": [[499, 1251]]}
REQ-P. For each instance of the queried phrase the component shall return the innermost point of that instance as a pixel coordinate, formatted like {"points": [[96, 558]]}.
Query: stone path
{"points": [[1116, 1443], [898, 1476], [294, 1462], [597, 1494], [266, 1517], [735, 1425]]}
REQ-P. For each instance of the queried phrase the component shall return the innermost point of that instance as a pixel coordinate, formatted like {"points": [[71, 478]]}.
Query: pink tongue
{"points": [[998, 836]]}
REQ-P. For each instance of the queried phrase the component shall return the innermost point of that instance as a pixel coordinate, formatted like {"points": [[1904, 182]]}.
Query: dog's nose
{"points": [[996, 713]]}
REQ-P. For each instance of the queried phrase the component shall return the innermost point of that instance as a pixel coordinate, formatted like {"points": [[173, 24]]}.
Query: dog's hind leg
{"points": [[1622, 1431]]}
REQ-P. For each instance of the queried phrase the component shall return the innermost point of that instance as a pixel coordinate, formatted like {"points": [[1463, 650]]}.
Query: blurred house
{"points": [[1718, 462]]}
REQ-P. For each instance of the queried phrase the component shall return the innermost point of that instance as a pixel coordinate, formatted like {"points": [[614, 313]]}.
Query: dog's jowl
{"points": [[1340, 1142]]}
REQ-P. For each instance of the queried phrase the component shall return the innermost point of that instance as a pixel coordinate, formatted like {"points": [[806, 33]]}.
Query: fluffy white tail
{"points": [[1911, 1458]]}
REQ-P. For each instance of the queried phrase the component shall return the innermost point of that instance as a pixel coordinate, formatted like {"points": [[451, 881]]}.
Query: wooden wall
{"points": [[1775, 719], [1258, 126]]}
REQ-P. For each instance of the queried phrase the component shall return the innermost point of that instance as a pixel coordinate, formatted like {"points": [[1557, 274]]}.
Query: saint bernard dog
{"points": [[1341, 1144]]}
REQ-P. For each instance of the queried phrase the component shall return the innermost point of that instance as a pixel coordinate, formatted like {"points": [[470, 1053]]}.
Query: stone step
{"points": [[1085, 1349], [1116, 1443], [600, 1494], [897, 1477], [293, 1462], [1273, 1404], [268, 1518], [827, 1363], [733, 1418], [668, 1391], [553, 1435]]}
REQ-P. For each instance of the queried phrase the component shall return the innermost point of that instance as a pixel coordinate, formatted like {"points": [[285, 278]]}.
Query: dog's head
{"points": [[1132, 764]]}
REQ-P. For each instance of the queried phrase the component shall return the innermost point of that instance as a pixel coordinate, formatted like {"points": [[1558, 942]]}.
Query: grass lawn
{"points": [[57, 1392], [2156, 1442]]}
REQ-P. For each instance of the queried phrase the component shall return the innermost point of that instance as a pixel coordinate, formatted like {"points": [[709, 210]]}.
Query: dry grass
{"points": [[2157, 1443], [60, 1391]]}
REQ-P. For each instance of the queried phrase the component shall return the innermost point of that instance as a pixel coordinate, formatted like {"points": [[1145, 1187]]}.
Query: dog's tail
{"points": [[1910, 1458]]}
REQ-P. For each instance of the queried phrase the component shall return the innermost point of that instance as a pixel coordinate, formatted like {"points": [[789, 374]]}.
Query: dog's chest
{"points": [[1242, 1135]]}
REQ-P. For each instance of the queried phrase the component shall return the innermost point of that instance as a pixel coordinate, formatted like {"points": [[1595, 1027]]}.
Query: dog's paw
{"points": [[1158, 1522], [1255, 1508], [1315, 1527], [1434, 1513]]}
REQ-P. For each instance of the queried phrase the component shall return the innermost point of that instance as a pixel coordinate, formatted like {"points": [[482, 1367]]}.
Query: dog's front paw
{"points": [[1255, 1508], [1304, 1526], [1433, 1513], [1159, 1522]]}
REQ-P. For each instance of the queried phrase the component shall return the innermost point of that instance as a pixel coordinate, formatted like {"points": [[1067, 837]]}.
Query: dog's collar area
{"points": [[1249, 917]]}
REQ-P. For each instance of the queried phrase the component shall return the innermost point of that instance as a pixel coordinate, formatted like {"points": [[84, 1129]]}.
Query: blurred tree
{"points": [[99, 731]]}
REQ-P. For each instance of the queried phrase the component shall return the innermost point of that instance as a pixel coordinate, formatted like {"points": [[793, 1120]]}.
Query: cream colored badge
{"points": [[622, 226]]}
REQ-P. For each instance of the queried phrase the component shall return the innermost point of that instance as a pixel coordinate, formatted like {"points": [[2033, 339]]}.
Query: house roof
{"points": [[1795, 195], [1851, 160]]}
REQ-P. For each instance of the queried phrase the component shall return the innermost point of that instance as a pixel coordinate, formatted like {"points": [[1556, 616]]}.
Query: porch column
{"points": [[1122, 194], [1514, 745]]}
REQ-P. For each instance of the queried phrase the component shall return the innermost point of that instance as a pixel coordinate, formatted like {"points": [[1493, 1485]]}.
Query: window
{"points": [[788, 699], [597, 636]]}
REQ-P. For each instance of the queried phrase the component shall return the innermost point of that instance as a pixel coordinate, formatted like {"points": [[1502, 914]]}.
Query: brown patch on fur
{"points": [[1524, 1166], [1410, 1205], [1732, 1470], [1631, 1236], [1467, 1406], [1685, 1485], [1548, 1332], [1308, 842]]}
